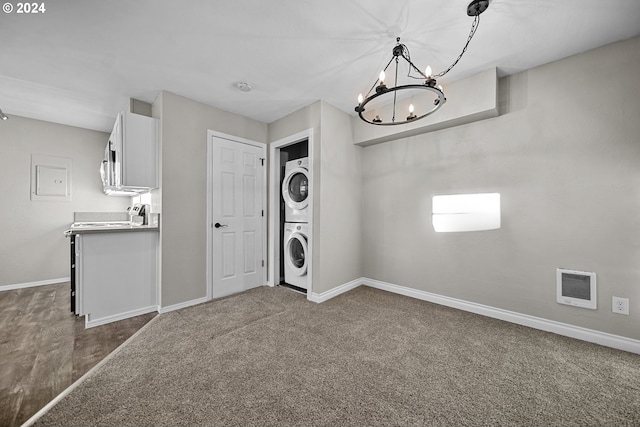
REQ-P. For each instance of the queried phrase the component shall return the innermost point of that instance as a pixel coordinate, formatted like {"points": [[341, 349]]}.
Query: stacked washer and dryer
{"points": [[295, 193]]}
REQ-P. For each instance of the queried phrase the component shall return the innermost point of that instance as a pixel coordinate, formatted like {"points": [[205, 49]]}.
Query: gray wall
{"points": [[565, 156], [32, 245], [336, 192], [184, 125], [340, 202]]}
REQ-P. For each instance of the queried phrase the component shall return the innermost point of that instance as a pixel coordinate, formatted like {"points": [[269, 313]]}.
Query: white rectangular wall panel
{"points": [[50, 178], [466, 212]]}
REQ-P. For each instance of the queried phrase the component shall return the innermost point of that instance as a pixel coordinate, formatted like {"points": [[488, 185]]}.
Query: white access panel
{"points": [[118, 275], [51, 181], [50, 178]]}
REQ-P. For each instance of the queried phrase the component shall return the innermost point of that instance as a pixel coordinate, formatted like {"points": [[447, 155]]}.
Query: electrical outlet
{"points": [[620, 305]]}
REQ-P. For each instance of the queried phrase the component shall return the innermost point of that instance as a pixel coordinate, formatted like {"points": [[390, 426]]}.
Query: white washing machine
{"points": [[295, 190], [296, 261]]}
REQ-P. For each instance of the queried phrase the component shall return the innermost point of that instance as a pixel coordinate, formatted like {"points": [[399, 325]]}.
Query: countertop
{"points": [[108, 228]]}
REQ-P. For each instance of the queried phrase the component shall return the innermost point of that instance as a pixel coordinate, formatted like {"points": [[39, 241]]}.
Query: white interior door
{"points": [[237, 217]]}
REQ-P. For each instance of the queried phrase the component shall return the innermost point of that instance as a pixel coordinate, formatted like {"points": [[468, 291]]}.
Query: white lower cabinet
{"points": [[116, 275]]}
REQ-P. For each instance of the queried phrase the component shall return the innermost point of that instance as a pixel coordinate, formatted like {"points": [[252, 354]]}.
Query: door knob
{"points": [[218, 225]]}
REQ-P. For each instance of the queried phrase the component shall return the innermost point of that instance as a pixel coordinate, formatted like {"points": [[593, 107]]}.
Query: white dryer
{"points": [[295, 190], [296, 261]]}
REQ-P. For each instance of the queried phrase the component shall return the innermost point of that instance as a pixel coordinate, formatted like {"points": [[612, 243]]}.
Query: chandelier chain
{"points": [[474, 27]]}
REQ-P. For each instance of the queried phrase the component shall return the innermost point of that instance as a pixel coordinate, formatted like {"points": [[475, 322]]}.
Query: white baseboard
{"points": [[32, 284], [564, 329], [584, 334], [182, 305], [108, 319], [324, 296]]}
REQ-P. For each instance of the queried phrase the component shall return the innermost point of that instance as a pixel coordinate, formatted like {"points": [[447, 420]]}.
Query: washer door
{"points": [[295, 188], [296, 254]]}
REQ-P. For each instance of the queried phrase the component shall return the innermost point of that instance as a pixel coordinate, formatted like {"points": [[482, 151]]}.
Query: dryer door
{"points": [[296, 253], [295, 188]]}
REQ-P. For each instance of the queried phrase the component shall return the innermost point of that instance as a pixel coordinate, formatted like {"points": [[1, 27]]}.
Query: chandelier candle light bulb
{"points": [[411, 116], [381, 87]]}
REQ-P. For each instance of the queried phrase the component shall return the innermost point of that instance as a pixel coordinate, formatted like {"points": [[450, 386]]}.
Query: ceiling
{"points": [[80, 61]]}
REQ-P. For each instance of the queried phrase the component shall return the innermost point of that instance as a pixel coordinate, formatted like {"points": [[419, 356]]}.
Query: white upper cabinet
{"points": [[130, 165]]}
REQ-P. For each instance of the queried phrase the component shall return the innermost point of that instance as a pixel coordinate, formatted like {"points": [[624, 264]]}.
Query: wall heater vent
{"points": [[576, 288]]}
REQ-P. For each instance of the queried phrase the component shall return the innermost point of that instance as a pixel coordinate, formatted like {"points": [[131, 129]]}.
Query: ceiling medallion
{"points": [[429, 96]]}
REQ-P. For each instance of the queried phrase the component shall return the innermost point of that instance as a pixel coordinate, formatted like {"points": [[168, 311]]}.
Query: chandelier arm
{"points": [[407, 57], [395, 92], [474, 27], [395, 80], [415, 68], [377, 80]]}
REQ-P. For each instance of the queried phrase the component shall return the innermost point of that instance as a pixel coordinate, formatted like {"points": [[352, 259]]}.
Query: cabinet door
{"points": [[72, 259], [79, 299], [139, 151], [119, 275], [115, 145]]}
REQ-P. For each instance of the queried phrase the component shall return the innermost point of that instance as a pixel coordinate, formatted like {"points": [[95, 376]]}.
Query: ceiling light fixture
{"points": [[424, 105], [3, 116]]}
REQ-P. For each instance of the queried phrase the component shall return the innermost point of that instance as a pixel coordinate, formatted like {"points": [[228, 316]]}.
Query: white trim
{"points": [[274, 209], [209, 197], [80, 380], [584, 334], [180, 305], [331, 293], [33, 284], [121, 316]]}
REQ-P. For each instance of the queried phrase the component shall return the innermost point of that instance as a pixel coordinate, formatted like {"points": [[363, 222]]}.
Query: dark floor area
{"points": [[44, 348]]}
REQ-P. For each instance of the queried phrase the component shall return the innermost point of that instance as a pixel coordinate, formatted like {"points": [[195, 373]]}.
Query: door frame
{"points": [[211, 134], [275, 244]]}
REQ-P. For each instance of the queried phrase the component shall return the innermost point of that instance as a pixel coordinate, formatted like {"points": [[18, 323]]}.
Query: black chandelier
{"points": [[430, 86]]}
